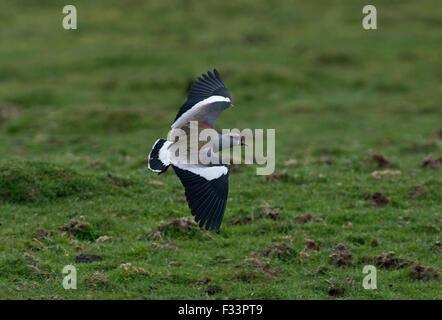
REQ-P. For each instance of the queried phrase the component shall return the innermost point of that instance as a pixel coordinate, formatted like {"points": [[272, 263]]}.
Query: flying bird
{"points": [[206, 185]]}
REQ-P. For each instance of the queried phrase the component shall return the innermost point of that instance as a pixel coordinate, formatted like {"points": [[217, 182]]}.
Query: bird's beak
{"points": [[231, 105]]}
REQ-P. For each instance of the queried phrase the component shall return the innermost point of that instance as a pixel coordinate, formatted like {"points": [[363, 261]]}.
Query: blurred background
{"points": [[118, 80]]}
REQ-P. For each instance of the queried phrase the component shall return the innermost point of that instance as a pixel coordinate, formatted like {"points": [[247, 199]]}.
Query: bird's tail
{"points": [[159, 156]]}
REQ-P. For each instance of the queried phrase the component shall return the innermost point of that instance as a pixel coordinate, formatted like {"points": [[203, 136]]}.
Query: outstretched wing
{"points": [[206, 190], [207, 89]]}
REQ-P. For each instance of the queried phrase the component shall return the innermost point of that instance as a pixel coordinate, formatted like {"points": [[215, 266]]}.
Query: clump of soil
{"points": [[74, 226], [131, 269], [425, 273], [342, 255], [103, 239], [307, 218], [165, 245], [87, 258], [281, 175], [259, 265], [213, 289], [279, 250], [42, 234], [429, 163], [241, 220], [185, 225], [98, 278], [438, 246], [303, 256], [81, 230], [157, 235], [378, 199], [311, 245], [267, 211], [200, 282], [380, 159], [336, 292], [385, 173], [389, 261]]}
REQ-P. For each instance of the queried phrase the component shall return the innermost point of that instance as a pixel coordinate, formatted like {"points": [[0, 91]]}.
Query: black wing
{"points": [[206, 198], [207, 85]]}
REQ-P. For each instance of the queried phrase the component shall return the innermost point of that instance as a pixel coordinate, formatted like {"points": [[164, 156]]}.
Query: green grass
{"points": [[80, 110]]}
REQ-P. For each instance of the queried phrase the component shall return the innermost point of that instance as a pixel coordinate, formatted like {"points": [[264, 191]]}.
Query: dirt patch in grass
{"points": [[336, 292], [165, 245], [103, 239], [327, 161], [388, 260], [311, 245], [213, 289], [241, 220], [385, 173], [265, 211], [256, 268], [425, 273], [129, 268], [307, 218], [97, 278], [342, 256], [42, 234], [184, 225], [380, 160], [36, 267], [200, 282], [268, 211], [429, 163], [81, 230], [378, 199], [279, 250], [277, 176], [438, 247]]}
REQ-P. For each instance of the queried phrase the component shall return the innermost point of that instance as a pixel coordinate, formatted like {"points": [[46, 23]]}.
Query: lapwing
{"points": [[206, 185]]}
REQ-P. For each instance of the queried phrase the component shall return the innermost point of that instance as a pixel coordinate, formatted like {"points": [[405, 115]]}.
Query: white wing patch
{"points": [[194, 110], [208, 173]]}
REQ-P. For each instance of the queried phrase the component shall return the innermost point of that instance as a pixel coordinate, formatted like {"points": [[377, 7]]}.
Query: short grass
{"points": [[80, 110]]}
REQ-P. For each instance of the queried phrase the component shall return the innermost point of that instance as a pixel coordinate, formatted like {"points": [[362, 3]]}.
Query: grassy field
{"points": [[80, 110]]}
